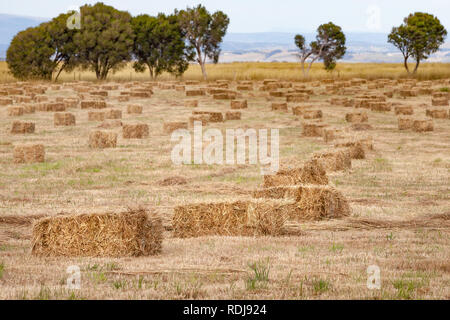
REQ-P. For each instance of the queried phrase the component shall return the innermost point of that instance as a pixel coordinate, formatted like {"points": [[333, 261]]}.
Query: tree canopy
{"points": [[420, 35]]}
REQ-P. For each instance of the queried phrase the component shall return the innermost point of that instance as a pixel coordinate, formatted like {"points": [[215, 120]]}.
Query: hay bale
{"points": [[334, 160], [239, 218], [204, 119], [93, 104], [6, 101], [356, 117], [279, 106], [134, 109], [20, 127], [225, 96], [29, 109], [422, 125], [15, 111], [102, 139], [361, 126], [129, 234], [169, 127], [194, 92], [380, 106], [297, 97], [96, 116], [355, 148], [312, 172], [113, 114], [213, 116], [52, 107], [437, 113], [404, 110], [312, 129], [312, 202], [329, 135], [312, 114], [405, 123], [135, 131], [64, 119], [436, 102], [233, 115], [29, 153], [239, 104], [191, 103], [298, 110]]}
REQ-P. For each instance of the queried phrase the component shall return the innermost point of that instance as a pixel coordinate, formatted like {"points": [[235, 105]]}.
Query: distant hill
{"points": [[262, 46]]}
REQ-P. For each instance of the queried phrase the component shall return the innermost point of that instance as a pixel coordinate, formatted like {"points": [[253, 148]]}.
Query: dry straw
{"points": [[64, 119], [238, 218], [335, 160], [312, 172], [102, 139], [135, 131], [29, 153], [22, 127], [129, 234]]}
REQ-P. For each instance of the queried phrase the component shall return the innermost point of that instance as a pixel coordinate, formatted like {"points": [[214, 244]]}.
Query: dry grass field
{"points": [[399, 194]]}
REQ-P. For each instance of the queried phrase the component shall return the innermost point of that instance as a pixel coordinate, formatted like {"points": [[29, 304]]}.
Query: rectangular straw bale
{"points": [[93, 104], [356, 117], [113, 114], [29, 153], [239, 104], [15, 111], [233, 115], [405, 123], [312, 172], [129, 234], [437, 113], [96, 115], [404, 110], [191, 103], [239, 218], [22, 127], [334, 160], [422, 125], [134, 109], [135, 131], [64, 119], [312, 114], [169, 127], [311, 129], [102, 139]]}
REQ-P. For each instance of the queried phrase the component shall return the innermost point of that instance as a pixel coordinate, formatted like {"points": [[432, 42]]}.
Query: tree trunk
{"points": [[205, 75], [406, 65], [417, 66], [59, 72]]}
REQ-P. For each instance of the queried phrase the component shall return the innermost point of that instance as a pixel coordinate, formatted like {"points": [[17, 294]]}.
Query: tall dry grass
{"points": [[265, 70]]}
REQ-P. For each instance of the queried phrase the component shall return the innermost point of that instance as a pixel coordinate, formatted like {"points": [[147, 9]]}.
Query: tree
{"points": [[159, 45], [420, 35], [30, 53], [62, 41], [329, 47], [205, 32], [105, 40]]}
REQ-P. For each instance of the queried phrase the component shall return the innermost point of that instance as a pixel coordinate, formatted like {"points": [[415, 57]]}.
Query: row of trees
{"points": [[420, 35], [109, 38]]}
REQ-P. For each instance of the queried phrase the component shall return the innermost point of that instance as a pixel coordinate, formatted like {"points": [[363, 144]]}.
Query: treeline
{"points": [[105, 39]]}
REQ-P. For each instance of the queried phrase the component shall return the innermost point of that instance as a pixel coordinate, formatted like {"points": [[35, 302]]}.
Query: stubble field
{"points": [[399, 194]]}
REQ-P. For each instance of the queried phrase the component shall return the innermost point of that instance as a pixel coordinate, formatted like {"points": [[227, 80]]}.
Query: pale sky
{"points": [[264, 15]]}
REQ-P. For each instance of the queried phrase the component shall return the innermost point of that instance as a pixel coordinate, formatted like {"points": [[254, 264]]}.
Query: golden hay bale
{"points": [[311, 129], [312, 114], [6, 101], [436, 102], [129, 234], [233, 115], [238, 104], [225, 96], [193, 93], [29, 108], [437, 113], [113, 114], [191, 103], [312, 172], [110, 123], [312, 202], [422, 125], [102, 139], [204, 119], [135, 131], [169, 127], [239, 218], [180, 88], [22, 127], [213, 116], [405, 123], [298, 110], [297, 97], [279, 106], [96, 115], [356, 117], [29, 153], [134, 109], [244, 87], [329, 135], [99, 93], [52, 107], [93, 104], [361, 126], [64, 119], [404, 110], [380, 106], [334, 160], [15, 111], [355, 148]]}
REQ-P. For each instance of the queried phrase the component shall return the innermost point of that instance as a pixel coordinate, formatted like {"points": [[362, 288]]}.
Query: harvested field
{"points": [[387, 204]]}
